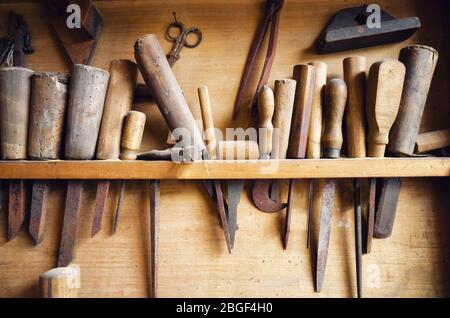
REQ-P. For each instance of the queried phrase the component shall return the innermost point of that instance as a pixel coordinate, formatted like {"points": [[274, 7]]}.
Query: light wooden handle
{"points": [[61, 282], [132, 135], [336, 99], [266, 107], [238, 150], [355, 78], [119, 101], [383, 99], [284, 106], [208, 122], [433, 140], [315, 127]]}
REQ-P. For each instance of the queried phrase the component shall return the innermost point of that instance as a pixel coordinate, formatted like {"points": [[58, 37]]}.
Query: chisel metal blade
{"points": [[387, 207], [16, 207], [38, 210], [287, 219], [70, 223], [100, 205], [154, 235], [310, 207], [358, 235], [371, 213], [119, 207], [324, 231], [233, 198]]}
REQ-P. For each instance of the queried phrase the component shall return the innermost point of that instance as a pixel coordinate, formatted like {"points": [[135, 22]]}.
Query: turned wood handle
{"points": [[284, 106], [315, 127], [132, 135], [433, 140], [60, 282], [208, 122], [336, 99], [168, 95], [420, 62], [118, 102], [355, 78], [266, 107], [238, 150], [385, 86], [15, 84], [87, 94], [305, 76]]}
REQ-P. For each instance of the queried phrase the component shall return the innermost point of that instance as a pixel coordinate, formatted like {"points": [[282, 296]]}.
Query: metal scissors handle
{"points": [[181, 39]]}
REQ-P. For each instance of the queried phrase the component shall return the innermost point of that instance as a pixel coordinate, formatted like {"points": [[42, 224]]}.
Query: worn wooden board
{"points": [[193, 258]]}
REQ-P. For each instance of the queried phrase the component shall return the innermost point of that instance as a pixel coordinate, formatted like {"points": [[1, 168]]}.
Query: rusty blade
{"points": [[38, 212], [100, 205], [154, 237], [222, 213], [387, 207], [233, 198], [310, 198], [70, 224], [371, 214], [16, 207], [324, 231], [358, 235], [119, 207], [287, 219], [261, 198]]}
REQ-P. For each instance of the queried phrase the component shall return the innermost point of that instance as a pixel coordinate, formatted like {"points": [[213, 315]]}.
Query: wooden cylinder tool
{"points": [[420, 62], [383, 98], [168, 95], [132, 135], [60, 282], [238, 150], [315, 126], [266, 107], [433, 140], [336, 98], [85, 107], [208, 122]]}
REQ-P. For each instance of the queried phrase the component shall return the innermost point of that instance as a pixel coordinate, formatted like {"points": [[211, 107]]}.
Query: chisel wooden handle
{"points": [[305, 76], [420, 62], [238, 150], [355, 78], [208, 122], [383, 99], [60, 282], [85, 107], [336, 99], [168, 95], [282, 118], [315, 127], [433, 140], [118, 102], [132, 135], [266, 107]]}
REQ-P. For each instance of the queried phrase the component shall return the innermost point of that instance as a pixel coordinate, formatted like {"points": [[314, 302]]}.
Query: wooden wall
{"points": [[193, 260]]}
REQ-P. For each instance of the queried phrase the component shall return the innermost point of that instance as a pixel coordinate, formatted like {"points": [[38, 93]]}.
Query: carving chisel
{"points": [[336, 99]]}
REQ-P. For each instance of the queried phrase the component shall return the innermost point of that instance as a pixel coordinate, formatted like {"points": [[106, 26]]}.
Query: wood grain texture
{"points": [[412, 263]]}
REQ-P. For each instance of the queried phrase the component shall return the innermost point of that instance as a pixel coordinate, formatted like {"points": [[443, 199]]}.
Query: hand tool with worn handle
{"points": [[131, 142], [433, 140], [355, 78], [87, 94], [47, 114], [118, 102], [272, 17], [60, 282], [335, 99], [305, 75], [284, 106], [385, 84], [420, 62], [211, 146], [313, 148]]}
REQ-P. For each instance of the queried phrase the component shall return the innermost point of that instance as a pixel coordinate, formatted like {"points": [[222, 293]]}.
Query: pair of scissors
{"points": [[181, 40]]}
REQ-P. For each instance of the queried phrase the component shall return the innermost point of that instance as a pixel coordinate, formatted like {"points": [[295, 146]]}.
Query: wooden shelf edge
{"points": [[256, 169]]}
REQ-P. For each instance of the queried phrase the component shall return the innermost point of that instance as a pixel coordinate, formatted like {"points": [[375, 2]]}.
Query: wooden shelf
{"points": [[256, 169]]}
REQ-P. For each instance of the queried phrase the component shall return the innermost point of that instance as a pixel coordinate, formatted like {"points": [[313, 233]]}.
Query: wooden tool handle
{"points": [[305, 75], [132, 135], [208, 122], [60, 282], [355, 78], [284, 106], [383, 99], [84, 111], [238, 150], [162, 83], [118, 102], [420, 62], [15, 84], [266, 107], [315, 126], [433, 140], [336, 99], [47, 114]]}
